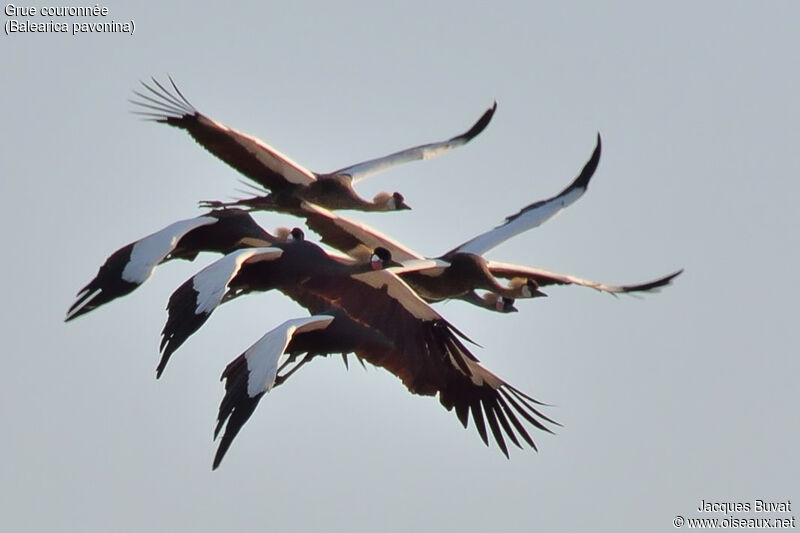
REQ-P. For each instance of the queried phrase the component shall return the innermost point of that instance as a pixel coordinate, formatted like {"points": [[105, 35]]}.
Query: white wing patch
{"points": [[263, 356], [400, 291], [525, 221], [211, 282], [426, 267], [148, 252], [366, 169], [369, 168], [268, 156]]}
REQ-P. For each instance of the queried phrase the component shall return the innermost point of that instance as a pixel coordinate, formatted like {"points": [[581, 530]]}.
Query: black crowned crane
{"points": [[221, 231], [288, 181], [256, 371], [406, 337], [460, 271], [432, 361], [280, 266]]}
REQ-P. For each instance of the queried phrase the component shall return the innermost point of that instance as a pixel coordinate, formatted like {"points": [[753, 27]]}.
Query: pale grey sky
{"points": [[666, 400]]}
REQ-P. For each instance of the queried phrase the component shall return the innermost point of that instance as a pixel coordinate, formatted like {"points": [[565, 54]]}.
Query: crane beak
{"points": [[532, 288], [506, 307]]}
